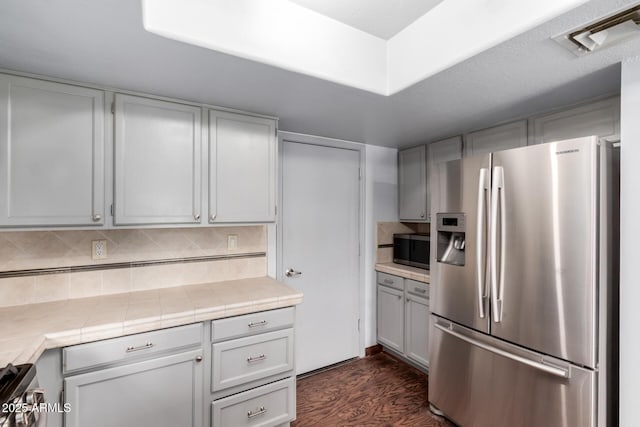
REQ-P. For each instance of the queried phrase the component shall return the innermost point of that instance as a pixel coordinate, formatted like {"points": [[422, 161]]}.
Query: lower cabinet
{"points": [[252, 370], [391, 318], [161, 392], [150, 379], [417, 329], [236, 371], [270, 405], [403, 318]]}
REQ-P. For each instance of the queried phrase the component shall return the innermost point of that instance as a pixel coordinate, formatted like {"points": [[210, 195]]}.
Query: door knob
{"points": [[292, 273]]}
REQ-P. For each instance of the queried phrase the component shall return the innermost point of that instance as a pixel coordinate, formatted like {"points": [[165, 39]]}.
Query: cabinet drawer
{"points": [[117, 350], [251, 358], [270, 405], [390, 280], [417, 288], [251, 324]]}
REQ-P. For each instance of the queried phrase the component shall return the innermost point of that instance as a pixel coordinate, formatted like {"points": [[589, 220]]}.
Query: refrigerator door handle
{"points": [[497, 281], [553, 370], [483, 188]]}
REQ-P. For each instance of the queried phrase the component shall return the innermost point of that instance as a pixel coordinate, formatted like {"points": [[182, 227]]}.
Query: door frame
{"points": [[284, 136]]}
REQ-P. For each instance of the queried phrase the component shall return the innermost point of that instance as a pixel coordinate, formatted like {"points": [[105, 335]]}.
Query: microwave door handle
{"points": [[481, 226], [497, 191]]}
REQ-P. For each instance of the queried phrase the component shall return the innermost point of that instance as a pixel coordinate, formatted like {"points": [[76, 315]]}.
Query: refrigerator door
{"points": [[479, 381], [459, 281], [543, 248]]}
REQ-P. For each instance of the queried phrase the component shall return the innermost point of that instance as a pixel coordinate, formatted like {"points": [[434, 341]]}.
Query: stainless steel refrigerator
{"points": [[524, 286]]}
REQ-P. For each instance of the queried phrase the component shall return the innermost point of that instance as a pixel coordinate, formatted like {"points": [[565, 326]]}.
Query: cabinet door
{"points": [[157, 161], [438, 152], [162, 392], [497, 138], [412, 184], [391, 318], [242, 168], [51, 153], [601, 118], [417, 329]]}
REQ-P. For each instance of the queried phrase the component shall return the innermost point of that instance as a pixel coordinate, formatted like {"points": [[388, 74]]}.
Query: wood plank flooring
{"points": [[377, 390]]}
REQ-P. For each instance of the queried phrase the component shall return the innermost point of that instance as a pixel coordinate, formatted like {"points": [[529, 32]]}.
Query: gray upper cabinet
{"points": [[441, 151], [157, 162], [412, 184], [242, 168], [51, 154], [503, 137], [444, 151], [600, 118]]}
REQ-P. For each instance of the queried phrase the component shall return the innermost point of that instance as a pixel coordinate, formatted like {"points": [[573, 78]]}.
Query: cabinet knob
{"points": [[212, 217], [422, 215], [196, 217], [198, 358], [97, 217]]}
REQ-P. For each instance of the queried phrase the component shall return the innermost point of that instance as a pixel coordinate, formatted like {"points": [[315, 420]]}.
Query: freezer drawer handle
{"points": [[558, 372]]}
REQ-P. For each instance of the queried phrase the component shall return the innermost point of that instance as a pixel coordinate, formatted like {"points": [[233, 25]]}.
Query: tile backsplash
{"points": [[27, 250]]}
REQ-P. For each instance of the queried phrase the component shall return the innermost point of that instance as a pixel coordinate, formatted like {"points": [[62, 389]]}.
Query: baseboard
{"points": [[374, 349]]}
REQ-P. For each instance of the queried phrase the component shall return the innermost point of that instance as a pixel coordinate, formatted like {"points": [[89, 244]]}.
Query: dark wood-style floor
{"points": [[378, 390]]}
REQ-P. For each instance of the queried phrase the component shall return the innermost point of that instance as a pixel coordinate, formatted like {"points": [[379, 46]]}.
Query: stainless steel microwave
{"points": [[411, 249]]}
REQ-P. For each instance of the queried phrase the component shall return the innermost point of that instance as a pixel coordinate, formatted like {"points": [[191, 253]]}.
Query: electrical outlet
{"points": [[99, 249], [232, 241]]}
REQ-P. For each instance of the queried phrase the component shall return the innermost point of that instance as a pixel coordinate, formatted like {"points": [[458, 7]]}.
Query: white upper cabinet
{"points": [[242, 168], [412, 184], [503, 137], [157, 162], [600, 118], [51, 154]]}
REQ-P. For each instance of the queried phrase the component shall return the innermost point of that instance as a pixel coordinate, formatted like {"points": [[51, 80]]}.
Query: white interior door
{"points": [[320, 239]]}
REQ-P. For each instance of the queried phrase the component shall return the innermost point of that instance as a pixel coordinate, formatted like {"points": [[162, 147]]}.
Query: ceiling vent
{"points": [[602, 33]]}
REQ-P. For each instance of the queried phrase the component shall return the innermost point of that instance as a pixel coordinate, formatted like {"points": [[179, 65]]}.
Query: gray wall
{"points": [[629, 238]]}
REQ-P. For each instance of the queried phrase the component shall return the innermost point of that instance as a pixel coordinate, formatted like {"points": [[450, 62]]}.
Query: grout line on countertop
{"points": [[129, 264]]}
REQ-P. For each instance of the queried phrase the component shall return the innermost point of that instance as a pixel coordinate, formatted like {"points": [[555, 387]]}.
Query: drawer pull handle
{"points": [[422, 291], [256, 358], [256, 324], [261, 410], [388, 282], [131, 348]]}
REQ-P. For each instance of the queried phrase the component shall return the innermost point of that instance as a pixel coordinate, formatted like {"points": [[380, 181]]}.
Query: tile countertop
{"points": [[26, 331], [413, 273]]}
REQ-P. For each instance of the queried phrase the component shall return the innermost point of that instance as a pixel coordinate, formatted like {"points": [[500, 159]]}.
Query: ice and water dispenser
{"points": [[451, 238]]}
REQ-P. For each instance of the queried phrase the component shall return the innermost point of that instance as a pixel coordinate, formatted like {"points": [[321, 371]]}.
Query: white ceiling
{"points": [[380, 18], [103, 42], [284, 34]]}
